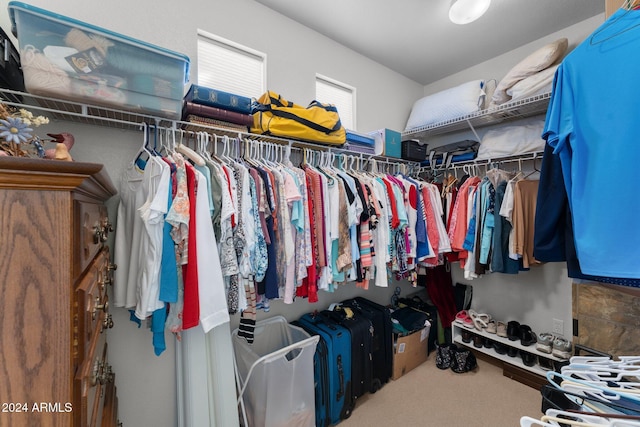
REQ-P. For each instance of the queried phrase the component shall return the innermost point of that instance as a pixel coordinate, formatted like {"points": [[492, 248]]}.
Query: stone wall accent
{"points": [[608, 318]]}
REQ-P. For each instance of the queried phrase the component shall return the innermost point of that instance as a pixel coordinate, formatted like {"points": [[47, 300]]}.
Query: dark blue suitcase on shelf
{"points": [[382, 344], [361, 331], [332, 369], [219, 99]]}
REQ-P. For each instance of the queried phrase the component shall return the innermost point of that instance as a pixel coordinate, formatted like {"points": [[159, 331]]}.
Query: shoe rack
{"points": [[541, 358]]}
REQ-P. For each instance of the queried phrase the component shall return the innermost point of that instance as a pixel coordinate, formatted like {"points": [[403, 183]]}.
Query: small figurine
{"points": [[64, 141]]}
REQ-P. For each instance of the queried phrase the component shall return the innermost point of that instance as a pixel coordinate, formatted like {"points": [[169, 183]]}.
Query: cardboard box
{"points": [[391, 141], [410, 351]]}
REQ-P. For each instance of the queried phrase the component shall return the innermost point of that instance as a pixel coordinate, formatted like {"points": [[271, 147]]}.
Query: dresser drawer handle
{"points": [[107, 323], [107, 228], [99, 306], [98, 235], [96, 374], [107, 374]]}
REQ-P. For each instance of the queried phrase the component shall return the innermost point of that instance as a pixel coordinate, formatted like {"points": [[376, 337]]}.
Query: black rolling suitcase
{"points": [[382, 345], [361, 331]]}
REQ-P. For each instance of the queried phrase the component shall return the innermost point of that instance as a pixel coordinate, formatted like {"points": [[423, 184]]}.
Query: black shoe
{"points": [[499, 348], [527, 358], [527, 336], [466, 336], [477, 341], [462, 360], [512, 351], [545, 364], [443, 355], [558, 364], [487, 342], [513, 330]]}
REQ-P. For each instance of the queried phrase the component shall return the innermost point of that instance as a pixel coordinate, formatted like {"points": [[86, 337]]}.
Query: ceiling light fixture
{"points": [[466, 11]]}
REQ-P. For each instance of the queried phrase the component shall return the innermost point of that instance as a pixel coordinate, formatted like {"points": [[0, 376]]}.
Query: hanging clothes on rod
{"points": [[281, 231], [491, 218], [165, 244]]}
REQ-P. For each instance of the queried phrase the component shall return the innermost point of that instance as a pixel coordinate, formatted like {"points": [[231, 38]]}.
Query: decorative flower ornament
{"points": [[16, 132], [13, 129]]}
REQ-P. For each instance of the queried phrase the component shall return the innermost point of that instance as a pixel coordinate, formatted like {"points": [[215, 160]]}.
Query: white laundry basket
{"points": [[275, 374]]}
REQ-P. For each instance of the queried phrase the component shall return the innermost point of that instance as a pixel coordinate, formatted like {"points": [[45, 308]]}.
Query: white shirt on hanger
{"points": [[153, 213], [211, 291]]}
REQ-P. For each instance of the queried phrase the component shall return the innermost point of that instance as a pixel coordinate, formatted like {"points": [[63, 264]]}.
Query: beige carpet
{"points": [[428, 396]]}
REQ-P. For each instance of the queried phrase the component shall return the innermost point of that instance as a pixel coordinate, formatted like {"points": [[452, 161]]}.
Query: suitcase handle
{"points": [[321, 318], [341, 377]]}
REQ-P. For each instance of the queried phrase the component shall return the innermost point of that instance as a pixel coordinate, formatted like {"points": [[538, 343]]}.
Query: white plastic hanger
{"points": [[579, 386], [143, 154], [602, 419], [556, 421], [189, 153], [530, 421]]}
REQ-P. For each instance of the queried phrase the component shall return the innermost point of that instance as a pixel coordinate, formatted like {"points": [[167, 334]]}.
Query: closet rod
{"points": [[361, 158], [499, 160], [338, 150]]}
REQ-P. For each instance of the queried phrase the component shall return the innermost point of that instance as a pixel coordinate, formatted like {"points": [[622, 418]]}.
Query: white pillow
{"points": [[489, 89], [537, 61], [521, 138], [447, 104], [535, 84]]}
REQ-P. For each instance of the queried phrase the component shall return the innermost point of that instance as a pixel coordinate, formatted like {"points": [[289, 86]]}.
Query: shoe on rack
{"points": [[491, 327], [477, 341], [466, 335], [464, 318], [561, 348], [527, 358], [480, 320], [501, 329], [545, 342], [545, 364], [500, 348], [513, 330], [527, 336], [512, 351], [487, 342]]}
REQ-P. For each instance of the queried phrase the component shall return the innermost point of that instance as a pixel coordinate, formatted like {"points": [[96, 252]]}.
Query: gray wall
{"points": [[146, 383]]}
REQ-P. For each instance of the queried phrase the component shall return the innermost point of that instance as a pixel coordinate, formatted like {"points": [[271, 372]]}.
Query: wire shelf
{"points": [[118, 119], [80, 112], [515, 110]]}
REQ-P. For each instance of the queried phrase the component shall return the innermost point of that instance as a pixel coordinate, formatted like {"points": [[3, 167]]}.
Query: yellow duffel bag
{"points": [[273, 115]]}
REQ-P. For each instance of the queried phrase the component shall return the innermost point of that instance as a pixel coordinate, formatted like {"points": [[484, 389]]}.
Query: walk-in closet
{"points": [[273, 213]]}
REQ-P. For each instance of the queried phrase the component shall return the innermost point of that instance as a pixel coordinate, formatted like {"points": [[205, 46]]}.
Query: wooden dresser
{"points": [[54, 310]]}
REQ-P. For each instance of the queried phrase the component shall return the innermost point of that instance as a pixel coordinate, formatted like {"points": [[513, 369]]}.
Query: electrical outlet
{"points": [[558, 326]]}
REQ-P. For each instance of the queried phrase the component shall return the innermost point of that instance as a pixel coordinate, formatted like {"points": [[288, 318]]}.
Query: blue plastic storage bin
{"points": [[72, 60]]}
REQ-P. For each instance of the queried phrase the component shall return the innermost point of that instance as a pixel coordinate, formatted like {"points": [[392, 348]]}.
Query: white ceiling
{"points": [[416, 38]]}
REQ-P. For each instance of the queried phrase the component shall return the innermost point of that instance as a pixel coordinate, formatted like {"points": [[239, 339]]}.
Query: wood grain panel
{"points": [[34, 323], [46, 332]]}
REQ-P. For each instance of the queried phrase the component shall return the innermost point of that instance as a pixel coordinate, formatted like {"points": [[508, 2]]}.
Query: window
{"points": [[329, 91], [231, 67]]}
